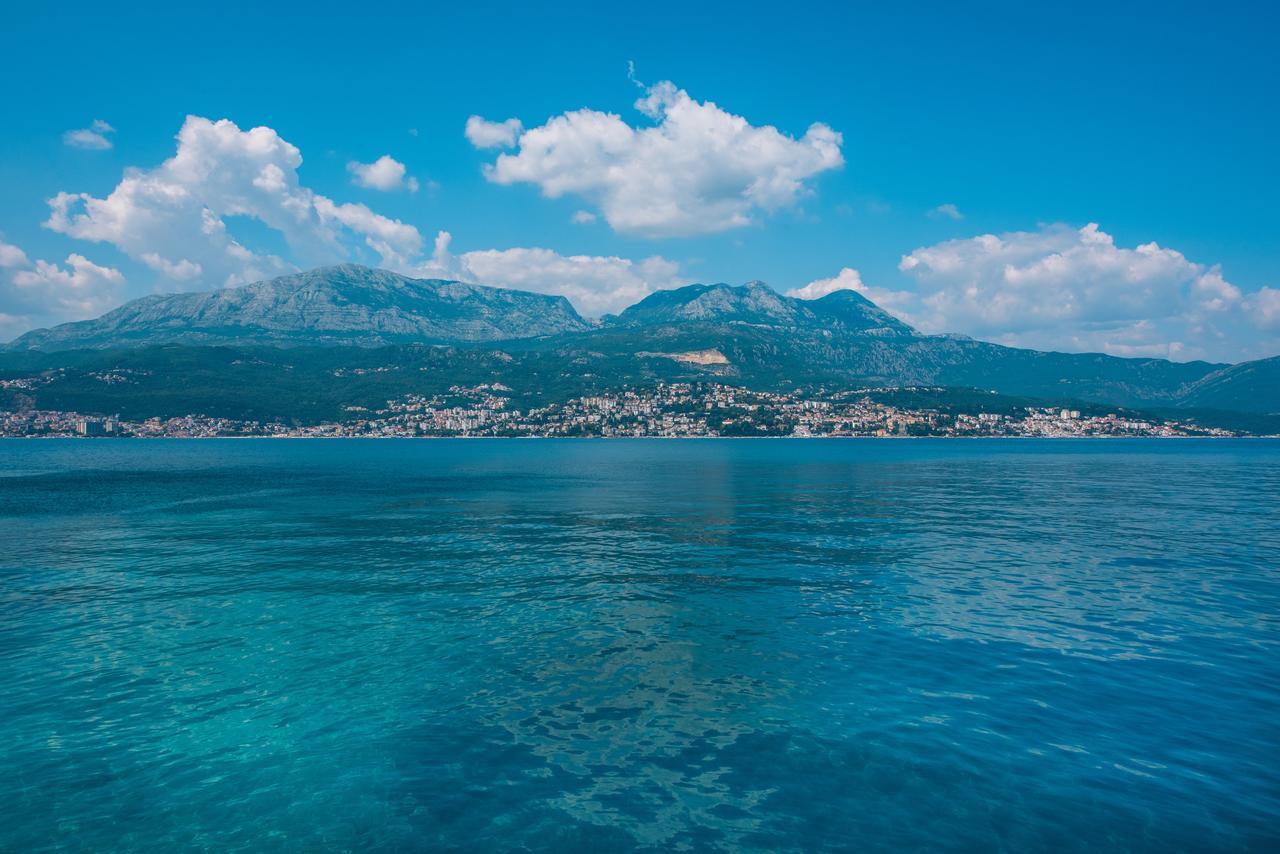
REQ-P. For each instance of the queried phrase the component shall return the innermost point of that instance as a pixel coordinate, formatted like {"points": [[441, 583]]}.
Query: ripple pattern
{"points": [[640, 645]]}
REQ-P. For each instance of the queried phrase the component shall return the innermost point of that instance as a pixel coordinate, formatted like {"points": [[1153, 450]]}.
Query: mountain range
{"points": [[342, 305], [748, 334]]}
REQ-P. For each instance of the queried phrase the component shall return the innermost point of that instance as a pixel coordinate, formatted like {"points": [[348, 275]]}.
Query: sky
{"points": [[1081, 178]]}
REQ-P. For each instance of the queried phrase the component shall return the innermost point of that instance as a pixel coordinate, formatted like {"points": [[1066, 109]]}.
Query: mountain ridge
{"points": [[765, 338], [342, 304], [756, 302]]}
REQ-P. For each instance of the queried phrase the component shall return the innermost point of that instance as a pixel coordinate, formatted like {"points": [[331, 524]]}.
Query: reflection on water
{"points": [[777, 645]]}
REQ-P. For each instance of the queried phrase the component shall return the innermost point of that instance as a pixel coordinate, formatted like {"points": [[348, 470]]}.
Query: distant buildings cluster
{"points": [[671, 410]]}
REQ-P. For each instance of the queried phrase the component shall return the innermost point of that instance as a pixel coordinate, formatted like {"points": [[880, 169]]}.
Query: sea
{"points": [[661, 645]]}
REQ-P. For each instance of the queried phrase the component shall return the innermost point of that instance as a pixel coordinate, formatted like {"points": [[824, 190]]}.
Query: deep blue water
{"points": [[606, 645]]}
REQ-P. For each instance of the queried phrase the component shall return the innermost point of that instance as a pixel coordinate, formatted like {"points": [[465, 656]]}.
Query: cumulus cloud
{"points": [[697, 170], [1074, 289], [93, 137], [395, 242], [179, 218], [11, 256], [80, 289], [582, 218], [596, 285], [179, 210], [849, 279], [1264, 307], [948, 211], [483, 133], [385, 174], [40, 292], [180, 270]]}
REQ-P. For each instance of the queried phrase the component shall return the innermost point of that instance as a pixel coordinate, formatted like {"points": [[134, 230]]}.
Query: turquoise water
{"points": [[612, 645]]}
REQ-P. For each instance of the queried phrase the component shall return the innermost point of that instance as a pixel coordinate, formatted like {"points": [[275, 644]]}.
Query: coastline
{"points": [[637, 438]]}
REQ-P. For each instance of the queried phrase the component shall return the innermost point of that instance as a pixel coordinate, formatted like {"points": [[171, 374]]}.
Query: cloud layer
{"points": [[697, 170], [1074, 289]]}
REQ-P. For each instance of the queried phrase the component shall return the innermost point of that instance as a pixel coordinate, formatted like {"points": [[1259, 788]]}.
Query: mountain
{"points": [[844, 338], [1246, 387], [347, 304], [537, 344], [756, 303]]}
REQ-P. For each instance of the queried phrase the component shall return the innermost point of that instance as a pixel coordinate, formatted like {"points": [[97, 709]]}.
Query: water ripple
{"points": [[1030, 646]]}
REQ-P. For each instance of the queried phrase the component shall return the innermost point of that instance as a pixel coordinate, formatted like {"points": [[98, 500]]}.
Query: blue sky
{"points": [[1002, 172]]}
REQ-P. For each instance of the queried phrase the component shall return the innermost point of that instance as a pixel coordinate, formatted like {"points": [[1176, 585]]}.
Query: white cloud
{"points": [[596, 285], [1264, 308], [41, 292], [386, 174], [947, 210], [394, 241], [81, 289], [11, 256], [582, 218], [697, 170], [180, 270], [93, 137], [486, 134], [180, 209], [849, 279], [178, 217], [1073, 289]]}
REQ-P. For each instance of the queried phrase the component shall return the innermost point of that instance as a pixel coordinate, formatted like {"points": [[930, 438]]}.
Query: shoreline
{"points": [[637, 438]]}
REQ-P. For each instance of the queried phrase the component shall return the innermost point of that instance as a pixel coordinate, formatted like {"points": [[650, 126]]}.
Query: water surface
{"points": [[613, 645]]}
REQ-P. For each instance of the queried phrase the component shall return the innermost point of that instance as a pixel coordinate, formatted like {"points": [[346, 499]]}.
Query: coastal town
{"points": [[674, 410]]}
